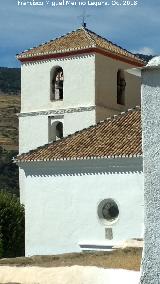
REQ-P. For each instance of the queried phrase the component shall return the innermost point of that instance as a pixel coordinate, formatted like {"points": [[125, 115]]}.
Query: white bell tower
{"points": [[58, 98], [70, 83], [73, 82]]}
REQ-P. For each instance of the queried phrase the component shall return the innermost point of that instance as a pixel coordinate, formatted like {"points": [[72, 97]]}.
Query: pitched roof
{"points": [[114, 137], [81, 39]]}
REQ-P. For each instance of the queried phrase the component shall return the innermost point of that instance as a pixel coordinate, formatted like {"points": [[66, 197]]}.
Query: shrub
{"points": [[11, 226], [1, 246], [9, 178]]}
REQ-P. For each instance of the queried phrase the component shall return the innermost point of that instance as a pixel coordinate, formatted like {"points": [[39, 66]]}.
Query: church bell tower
{"points": [[70, 83]]}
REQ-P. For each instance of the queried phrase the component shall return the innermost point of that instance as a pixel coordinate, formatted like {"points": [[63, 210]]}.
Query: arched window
{"points": [[59, 130], [121, 84], [57, 83], [55, 130]]}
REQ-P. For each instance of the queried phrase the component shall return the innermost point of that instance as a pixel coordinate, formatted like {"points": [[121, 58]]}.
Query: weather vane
{"points": [[83, 17]]}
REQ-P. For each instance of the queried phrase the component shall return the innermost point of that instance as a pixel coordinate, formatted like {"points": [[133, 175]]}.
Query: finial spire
{"points": [[83, 17]]}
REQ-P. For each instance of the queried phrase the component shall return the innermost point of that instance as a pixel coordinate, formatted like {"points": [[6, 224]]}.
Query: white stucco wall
{"points": [[33, 132], [89, 80], [151, 154], [34, 129], [61, 200], [104, 112], [79, 87], [78, 120], [36, 106], [106, 85]]}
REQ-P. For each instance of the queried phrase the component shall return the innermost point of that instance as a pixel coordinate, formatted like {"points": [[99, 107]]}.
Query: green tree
{"points": [[1, 246], [9, 178], [10, 80], [11, 226]]}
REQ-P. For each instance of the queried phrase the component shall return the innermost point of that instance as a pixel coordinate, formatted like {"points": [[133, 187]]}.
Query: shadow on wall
{"points": [[84, 167]]}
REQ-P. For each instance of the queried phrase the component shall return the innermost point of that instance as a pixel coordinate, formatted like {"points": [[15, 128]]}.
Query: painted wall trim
{"points": [[59, 111], [82, 51]]}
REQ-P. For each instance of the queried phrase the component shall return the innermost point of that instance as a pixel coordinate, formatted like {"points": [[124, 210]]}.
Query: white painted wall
{"points": [[79, 91], [78, 120], [34, 130], [106, 85], [61, 200], [151, 164], [88, 80], [79, 87], [104, 112]]}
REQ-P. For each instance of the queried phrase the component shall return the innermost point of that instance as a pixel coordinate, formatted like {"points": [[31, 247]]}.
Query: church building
{"points": [[80, 155]]}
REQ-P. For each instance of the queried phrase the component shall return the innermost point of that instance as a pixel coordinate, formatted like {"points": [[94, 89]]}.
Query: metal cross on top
{"points": [[84, 16]]}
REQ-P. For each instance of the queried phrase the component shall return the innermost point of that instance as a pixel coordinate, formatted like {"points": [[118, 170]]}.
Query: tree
{"points": [[9, 179], [11, 226]]}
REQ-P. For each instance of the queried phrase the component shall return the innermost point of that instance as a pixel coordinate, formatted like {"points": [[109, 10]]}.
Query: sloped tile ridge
{"points": [[91, 41], [45, 146], [49, 41], [116, 116], [88, 33], [91, 33]]}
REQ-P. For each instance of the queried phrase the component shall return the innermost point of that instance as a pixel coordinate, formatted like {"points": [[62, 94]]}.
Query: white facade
{"points": [[77, 106], [106, 70], [62, 198]]}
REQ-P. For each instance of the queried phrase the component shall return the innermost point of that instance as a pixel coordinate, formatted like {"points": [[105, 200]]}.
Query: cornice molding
{"points": [[57, 58], [55, 112], [87, 50]]}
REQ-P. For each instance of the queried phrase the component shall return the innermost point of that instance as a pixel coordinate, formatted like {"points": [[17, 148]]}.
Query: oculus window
{"points": [[108, 211]]}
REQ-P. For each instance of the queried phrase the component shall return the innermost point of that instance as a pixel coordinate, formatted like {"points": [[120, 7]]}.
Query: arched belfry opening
{"points": [[55, 129], [59, 130], [57, 79], [121, 85]]}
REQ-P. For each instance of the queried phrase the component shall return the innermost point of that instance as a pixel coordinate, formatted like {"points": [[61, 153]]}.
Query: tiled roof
{"points": [[114, 137], [79, 39]]}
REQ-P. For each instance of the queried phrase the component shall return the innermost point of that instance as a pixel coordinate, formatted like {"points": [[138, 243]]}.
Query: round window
{"points": [[108, 211]]}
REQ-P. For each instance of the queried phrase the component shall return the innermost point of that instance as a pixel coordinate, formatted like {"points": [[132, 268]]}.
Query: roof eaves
{"points": [[111, 118], [79, 158], [132, 54], [30, 55], [131, 58]]}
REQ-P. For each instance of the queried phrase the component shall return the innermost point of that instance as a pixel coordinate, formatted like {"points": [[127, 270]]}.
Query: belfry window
{"points": [[59, 130], [55, 129], [121, 85], [57, 84]]}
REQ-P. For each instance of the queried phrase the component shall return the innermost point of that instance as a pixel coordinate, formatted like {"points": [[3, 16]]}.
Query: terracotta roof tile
{"points": [[117, 136], [79, 39]]}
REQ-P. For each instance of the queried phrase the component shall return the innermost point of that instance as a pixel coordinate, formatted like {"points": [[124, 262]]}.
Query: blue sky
{"points": [[135, 28]]}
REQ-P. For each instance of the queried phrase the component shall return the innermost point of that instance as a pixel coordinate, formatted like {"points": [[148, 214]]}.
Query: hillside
{"points": [[10, 81], [9, 107], [144, 57]]}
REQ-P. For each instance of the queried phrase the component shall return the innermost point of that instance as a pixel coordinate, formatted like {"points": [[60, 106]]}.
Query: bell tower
{"points": [[73, 82]]}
